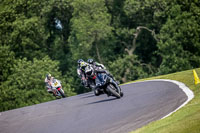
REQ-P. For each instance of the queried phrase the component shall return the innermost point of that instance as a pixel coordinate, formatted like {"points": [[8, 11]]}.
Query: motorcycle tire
{"points": [[121, 94], [114, 91], [96, 92], [62, 93]]}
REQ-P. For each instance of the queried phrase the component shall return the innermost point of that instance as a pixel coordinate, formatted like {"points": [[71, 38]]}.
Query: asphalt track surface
{"points": [[142, 103]]}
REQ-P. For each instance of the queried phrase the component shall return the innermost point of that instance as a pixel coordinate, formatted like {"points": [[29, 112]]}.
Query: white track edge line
{"points": [[181, 85]]}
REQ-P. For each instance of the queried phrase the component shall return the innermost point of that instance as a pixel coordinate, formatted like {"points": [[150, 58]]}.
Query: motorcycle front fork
{"points": [[54, 92]]}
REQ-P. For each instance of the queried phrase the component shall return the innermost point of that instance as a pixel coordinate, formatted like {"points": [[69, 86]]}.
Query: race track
{"points": [[143, 102]]}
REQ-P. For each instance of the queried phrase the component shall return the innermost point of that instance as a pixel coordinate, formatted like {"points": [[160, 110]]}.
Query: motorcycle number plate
{"points": [[56, 83]]}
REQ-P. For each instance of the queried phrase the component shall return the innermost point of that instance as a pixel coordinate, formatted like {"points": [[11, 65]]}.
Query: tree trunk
{"points": [[98, 55], [131, 50], [97, 49], [124, 78]]}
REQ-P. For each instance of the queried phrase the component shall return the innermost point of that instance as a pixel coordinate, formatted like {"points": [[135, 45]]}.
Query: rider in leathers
{"points": [[97, 65], [94, 73], [48, 81], [80, 71], [87, 81]]}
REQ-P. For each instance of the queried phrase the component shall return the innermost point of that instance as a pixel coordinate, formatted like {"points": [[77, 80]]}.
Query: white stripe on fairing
{"points": [[181, 85]]}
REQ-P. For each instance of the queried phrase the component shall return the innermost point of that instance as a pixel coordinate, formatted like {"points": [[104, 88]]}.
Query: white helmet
{"points": [[48, 76], [89, 70]]}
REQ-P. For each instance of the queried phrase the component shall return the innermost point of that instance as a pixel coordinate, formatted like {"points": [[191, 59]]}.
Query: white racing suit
{"points": [[48, 84]]}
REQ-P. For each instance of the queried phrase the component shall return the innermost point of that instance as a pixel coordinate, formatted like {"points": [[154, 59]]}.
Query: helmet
{"points": [[90, 61], [79, 61], [48, 76], [83, 65], [89, 70]]}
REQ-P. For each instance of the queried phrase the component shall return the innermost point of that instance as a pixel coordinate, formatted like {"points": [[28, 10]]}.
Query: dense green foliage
{"points": [[132, 38], [25, 85]]}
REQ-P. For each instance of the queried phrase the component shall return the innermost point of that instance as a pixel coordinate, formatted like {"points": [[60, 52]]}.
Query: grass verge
{"points": [[186, 119]]}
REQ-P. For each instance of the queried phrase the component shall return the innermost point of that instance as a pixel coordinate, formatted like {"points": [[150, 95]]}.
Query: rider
{"points": [[48, 81], [95, 74], [80, 71], [98, 65]]}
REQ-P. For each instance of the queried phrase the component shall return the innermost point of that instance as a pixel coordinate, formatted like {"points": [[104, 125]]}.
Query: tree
{"points": [[57, 16], [22, 27], [179, 45], [90, 25], [129, 68], [26, 85], [7, 59], [137, 35]]}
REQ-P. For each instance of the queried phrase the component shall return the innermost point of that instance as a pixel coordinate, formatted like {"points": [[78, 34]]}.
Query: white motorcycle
{"points": [[56, 88]]}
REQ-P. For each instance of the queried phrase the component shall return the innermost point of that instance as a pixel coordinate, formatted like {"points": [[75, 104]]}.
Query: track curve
{"points": [[143, 102]]}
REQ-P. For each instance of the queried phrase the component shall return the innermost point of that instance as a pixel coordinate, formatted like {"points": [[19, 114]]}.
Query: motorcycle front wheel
{"points": [[114, 91], [62, 93]]}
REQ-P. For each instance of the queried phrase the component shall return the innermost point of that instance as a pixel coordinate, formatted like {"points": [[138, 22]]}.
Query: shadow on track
{"points": [[101, 101], [89, 96]]}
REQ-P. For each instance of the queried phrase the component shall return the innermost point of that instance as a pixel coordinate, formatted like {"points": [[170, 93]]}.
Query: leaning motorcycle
{"points": [[107, 85], [56, 88]]}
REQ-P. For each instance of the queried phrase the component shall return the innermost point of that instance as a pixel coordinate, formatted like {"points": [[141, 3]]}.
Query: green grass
{"points": [[186, 119]]}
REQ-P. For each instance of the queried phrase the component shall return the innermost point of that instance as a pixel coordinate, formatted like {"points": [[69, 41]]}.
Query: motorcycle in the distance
{"points": [[56, 88]]}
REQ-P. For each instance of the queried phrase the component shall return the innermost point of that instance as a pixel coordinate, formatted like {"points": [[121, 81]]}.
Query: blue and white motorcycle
{"points": [[102, 82], [107, 85]]}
